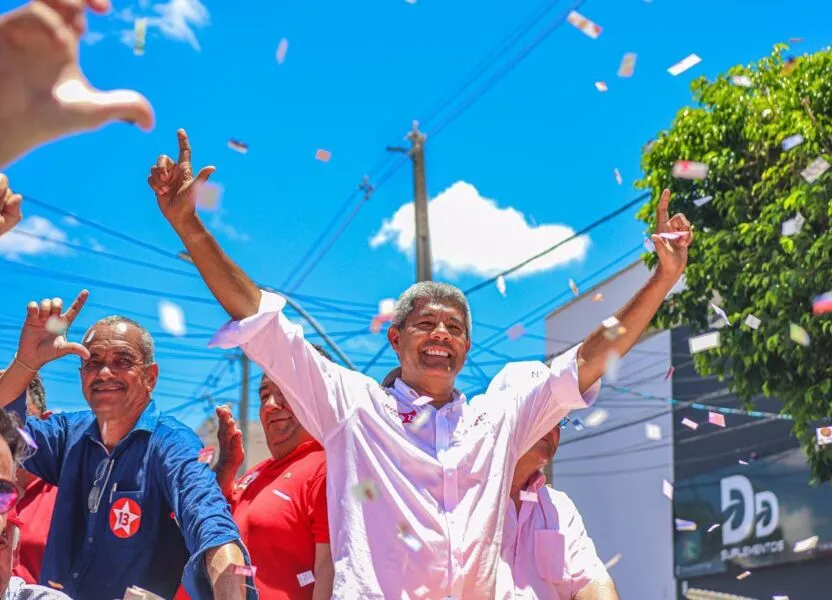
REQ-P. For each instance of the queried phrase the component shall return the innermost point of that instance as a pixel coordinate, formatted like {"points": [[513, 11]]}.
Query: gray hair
{"points": [[430, 291], [146, 340]]}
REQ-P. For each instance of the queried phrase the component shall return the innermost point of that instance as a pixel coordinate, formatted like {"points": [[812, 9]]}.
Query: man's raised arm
{"points": [[176, 190], [673, 237]]}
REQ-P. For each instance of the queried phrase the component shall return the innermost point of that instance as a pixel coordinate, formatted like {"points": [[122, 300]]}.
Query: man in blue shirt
{"points": [[135, 506]]}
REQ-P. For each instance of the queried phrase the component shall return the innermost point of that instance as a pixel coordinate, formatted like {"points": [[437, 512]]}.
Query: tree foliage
{"points": [[738, 250]]}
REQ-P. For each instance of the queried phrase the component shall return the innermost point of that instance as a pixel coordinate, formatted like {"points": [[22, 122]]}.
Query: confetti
{"points": [[280, 494], [704, 342], [421, 591], [617, 176], [419, 420], [526, 496], [649, 245], [409, 538], [578, 424], [323, 155], [743, 575], [806, 545], [743, 462], [824, 435], [822, 304], [672, 235], [375, 325], [815, 169], [716, 419], [612, 365], [628, 65], [365, 491], [610, 322], [386, 307], [182, 255], [422, 400], [683, 65], [516, 331], [238, 146], [798, 335], [691, 424], [600, 86], [574, 287], [56, 325], [599, 297], [30, 441], [713, 527], [139, 35], [791, 141], [792, 226], [775, 597], [246, 570], [688, 169], [282, 47], [305, 578], [134, 592], [206, 455], [720, 313], [89, 337], [669, 373], [581, 22], [208, 197], [683, 525], [700, 202], [172, 318], [55, 584], [613, 561], [752, 321], [652, 431], [596, 417], [741, 81], [667, 489], [501, 286]]}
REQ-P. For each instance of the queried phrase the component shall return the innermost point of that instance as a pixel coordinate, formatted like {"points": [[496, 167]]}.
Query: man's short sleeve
{"points": [[582, 560], [316, 503], [50, 437], [536, 397], [316, 388]]}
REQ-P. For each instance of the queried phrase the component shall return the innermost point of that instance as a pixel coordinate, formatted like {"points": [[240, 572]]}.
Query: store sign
{"points": [[751, 517]]}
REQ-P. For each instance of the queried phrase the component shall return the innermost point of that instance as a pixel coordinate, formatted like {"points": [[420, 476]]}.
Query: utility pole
{"points": [[243, 420], [424, 269]]}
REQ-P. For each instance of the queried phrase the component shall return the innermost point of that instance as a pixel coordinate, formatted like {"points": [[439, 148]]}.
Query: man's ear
{"points": [[393, 336], [152, 374]]}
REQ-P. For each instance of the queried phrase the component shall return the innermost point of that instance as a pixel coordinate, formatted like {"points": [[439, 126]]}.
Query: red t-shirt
{"points": [[280, 508], [35, 512]]}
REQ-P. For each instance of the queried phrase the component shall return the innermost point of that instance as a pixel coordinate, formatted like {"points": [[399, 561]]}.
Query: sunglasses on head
{"points": [[9, 495]]}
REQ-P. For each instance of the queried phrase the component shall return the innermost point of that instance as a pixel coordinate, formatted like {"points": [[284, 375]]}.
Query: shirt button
{"points": [[75, 575], [89, 539]]}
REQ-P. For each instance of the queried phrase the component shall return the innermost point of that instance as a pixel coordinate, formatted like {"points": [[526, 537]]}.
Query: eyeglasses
{"points": [[102, 476], [116, 365], [9, 495]]}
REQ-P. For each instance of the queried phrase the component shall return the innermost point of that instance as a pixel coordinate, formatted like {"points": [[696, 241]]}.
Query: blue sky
{"points": [[542, 142]]}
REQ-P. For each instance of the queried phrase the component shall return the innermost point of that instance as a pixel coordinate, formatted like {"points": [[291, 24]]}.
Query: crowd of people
{"points": [[404, 489]]}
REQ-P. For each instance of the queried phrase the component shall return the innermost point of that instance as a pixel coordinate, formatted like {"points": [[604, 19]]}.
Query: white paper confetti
{"points": [[617, 175], [612, 366], [688, 169], [742, 81], [806, 545], [815, 169], [700, 202], [653, 431], [30, 441], [89, 337], [704, 342], [365, 491], [792, 226], [282, 48], [628, 65], [422, 400], [798, 335], [574, 287], [139, 35], [419, 420], [245, 570], [791, 141], [753, 322], [526, 496], [386, 307], [56, 325], [206, 455], [501, 286], [596, 417], [306, 578], [743, 462], [613, 561], [672, 235], [600, 86], [743, 575], [421, 591], [720, 313], [599, 297], [610, 322], [409, 538], [280, 494], [690, 424], [824, 435], [683, 65], [581, 22], [172, 318], [683, 525], [717, 419], [649, 245], [667, 489], [713, 527]]}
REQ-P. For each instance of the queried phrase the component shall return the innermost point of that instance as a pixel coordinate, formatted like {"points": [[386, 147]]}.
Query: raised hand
{"points": [[174, 184], [43, 338], [673, 237], [230, 440], [45, 94], [10, 214]]}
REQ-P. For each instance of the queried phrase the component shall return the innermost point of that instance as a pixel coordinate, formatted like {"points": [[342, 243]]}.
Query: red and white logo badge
{"points": [[125, 518]]}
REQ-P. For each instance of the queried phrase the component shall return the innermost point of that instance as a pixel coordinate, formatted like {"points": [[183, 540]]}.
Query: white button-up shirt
{"points": [[438, 481], [547, 547]]}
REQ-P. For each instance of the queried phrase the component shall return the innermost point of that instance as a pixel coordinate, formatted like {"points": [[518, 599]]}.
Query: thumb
{"points": [[13, 207], [660, 243], [204, 174], [99, 108], [75, 348]]}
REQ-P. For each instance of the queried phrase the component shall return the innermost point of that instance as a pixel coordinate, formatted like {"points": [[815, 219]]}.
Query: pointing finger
{"points": [[661, 211], [76, 307], [184, 147]]}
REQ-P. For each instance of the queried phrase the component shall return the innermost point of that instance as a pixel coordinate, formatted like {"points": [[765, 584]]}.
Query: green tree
{"points": [[739, 250]]}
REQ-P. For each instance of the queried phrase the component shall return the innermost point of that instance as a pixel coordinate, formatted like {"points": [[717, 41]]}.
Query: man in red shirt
{"points": [[35, 505]]}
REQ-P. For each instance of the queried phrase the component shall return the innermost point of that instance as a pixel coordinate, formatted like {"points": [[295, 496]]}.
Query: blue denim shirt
{"points": [[96, 553]]}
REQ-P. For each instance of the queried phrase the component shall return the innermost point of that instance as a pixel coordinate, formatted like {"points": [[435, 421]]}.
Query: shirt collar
{"points": [[407, 393], [147, 421], [301, 449]]}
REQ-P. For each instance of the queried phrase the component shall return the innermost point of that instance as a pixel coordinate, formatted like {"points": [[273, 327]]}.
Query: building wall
{"points": [[613, 472]]}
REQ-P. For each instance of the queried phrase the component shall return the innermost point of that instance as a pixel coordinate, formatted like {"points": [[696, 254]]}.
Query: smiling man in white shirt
{"points": [[418, 478]]}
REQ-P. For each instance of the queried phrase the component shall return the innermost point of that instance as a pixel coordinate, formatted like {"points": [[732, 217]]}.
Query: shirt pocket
{"points": [[550, 556], [126, 518]]}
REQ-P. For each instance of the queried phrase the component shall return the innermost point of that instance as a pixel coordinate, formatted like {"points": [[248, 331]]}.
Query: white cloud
{"points": [[91, 38], [177, 17], [71, 221], [13, 245], [228, 230], [95, 245], [471, 234]]}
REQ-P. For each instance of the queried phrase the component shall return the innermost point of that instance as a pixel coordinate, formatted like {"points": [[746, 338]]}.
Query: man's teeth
{"points": [[437, 353]]}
